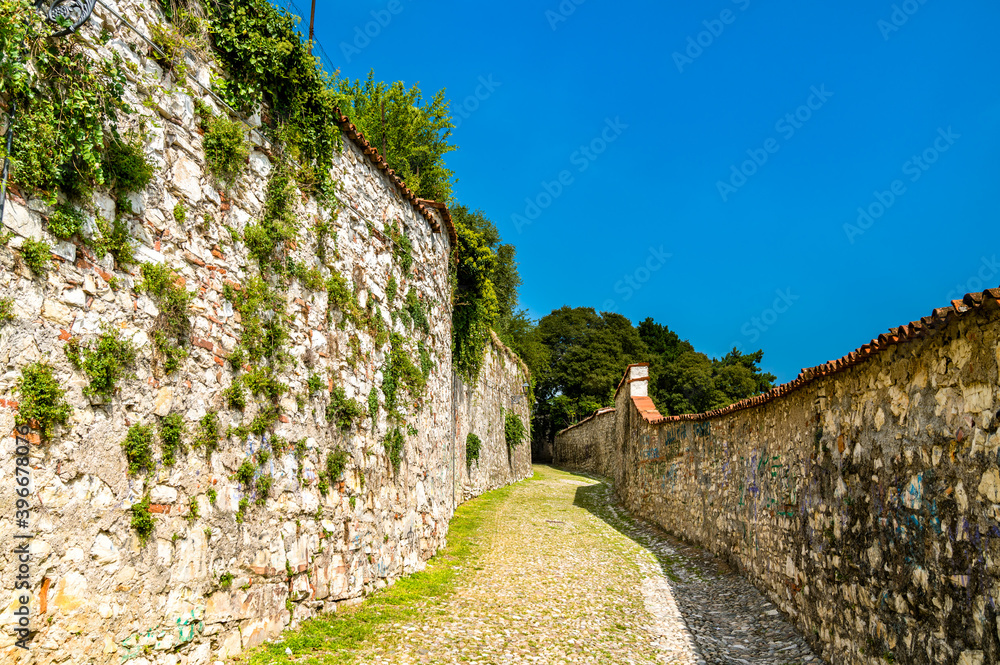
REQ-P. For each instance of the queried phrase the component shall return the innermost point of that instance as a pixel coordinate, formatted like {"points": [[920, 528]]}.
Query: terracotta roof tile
{"points": [[989, 299], [422, 205]]}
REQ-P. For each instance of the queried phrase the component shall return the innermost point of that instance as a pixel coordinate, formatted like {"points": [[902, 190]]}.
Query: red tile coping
{"points": [[988, 300], [422, 205]]}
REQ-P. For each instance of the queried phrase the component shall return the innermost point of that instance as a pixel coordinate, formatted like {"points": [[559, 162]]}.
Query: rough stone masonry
{"points": [[207, 585], [862, 498]]}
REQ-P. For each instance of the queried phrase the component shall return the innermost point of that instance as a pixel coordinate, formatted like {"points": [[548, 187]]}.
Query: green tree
{"points": [[413, 136], [685, 381], [475, 300]]}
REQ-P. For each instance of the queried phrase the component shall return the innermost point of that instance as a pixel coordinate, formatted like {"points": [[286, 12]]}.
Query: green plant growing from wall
{"points": [[336, 462], [242, 510], [68, 104], [225, 143], [267, 240], [270, 64], [514, 431], [105, 361], [193, 511], [113, 239], [315, 384], [180, 213], [208, 433], [226, 580], [426, 362], [173, 44], [37, 255], [246, 473], [263, 488], [138, 448], [342, 411], [42, 400], [400, 372], [394, 443], [262, 383], [171, 435], [212, 495], [373, 405], [6, 311], [417, 312], [172, 327], [264, 321], [472, 447], [479, 309], [65, 221], [125, 168], [402, 247], [142, 520], [391, 288], [339, 297], [235, 396]]}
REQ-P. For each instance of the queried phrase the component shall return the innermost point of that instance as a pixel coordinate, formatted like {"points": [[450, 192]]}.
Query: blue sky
{"points": [[716, 153]]}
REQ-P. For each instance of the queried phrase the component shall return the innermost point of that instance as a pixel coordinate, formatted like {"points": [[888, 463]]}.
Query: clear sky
{"points": [[715, 154]]}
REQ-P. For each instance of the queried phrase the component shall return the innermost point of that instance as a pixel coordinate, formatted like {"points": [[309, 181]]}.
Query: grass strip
{"points": [[339, 638]]}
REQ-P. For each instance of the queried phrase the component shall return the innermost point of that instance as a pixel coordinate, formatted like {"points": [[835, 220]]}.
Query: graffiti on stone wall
{"points": [[186, 628]]}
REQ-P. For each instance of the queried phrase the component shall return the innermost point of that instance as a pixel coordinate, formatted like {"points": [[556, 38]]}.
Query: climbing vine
{"points": [[514, 430], [269, 64], [69, 106]]}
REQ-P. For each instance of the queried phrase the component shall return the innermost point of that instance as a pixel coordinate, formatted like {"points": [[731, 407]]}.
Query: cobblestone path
{"points": [[561, 574]]}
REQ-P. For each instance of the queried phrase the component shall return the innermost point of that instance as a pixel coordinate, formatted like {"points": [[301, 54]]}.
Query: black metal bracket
{"points": [[70, 14]]}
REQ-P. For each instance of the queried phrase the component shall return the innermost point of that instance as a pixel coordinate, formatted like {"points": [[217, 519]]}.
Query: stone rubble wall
{"points": [[583, 447], [866, 504], [98, 595], [480, 409]]}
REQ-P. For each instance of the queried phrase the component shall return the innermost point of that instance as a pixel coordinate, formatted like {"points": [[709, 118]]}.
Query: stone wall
{"points": [[863, 498], [584, 446], [208, 586], [480, 410]]}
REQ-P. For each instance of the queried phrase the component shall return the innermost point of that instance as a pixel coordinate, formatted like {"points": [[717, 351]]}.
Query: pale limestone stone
{"points": [[89, 285], [104, 550], [163, 494], [989, 486], [71, 592], [164, 401], [105, 205], [971, 658], [187, 179], [74, 297], [64, 249], [55, 311], [22, 221]]}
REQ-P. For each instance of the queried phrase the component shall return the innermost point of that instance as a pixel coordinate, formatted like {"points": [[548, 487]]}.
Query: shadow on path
{"points": [[731, 622]]}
